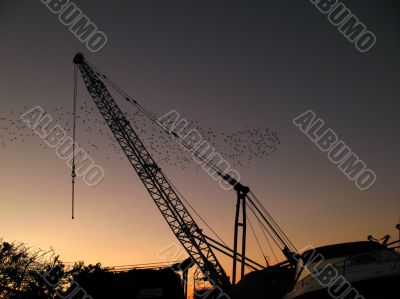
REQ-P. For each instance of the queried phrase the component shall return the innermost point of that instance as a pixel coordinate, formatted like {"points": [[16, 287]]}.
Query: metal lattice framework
{"points": [[168, 202]]}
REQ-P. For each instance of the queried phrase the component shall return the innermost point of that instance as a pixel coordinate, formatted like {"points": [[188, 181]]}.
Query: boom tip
{"points": [[78, 59]]}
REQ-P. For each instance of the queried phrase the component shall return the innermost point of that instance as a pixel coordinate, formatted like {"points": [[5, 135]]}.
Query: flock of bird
{"points": [[240, 147]]}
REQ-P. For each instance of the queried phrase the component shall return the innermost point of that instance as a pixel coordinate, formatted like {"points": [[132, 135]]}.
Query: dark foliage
{"points": [[23, 271]]}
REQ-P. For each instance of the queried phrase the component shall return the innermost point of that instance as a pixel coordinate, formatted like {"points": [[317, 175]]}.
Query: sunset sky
{"points": [[229, 65]]}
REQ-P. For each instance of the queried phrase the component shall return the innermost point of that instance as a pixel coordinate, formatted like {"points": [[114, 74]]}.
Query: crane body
{"points": [[167, 199]]}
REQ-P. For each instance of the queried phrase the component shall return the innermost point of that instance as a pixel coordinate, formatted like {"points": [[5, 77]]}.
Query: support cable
{"points": [[73, 174], [278, 229], [193, 209], [264, 230], [258, 242], [152, 118], [279, 237]]}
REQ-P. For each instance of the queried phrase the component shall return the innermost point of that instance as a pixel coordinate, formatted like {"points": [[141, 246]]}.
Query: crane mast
{"points": [[168, 202]]}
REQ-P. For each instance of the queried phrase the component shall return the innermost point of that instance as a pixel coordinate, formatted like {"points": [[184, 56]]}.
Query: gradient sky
{"points": [[227, 64]]}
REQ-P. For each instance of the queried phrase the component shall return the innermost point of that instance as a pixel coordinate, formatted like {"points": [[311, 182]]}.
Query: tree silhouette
{"points": [[20, 271]]}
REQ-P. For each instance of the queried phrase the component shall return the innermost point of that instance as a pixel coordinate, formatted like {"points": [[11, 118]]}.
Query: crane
{"points": [[158, 186], [195, 242]]}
